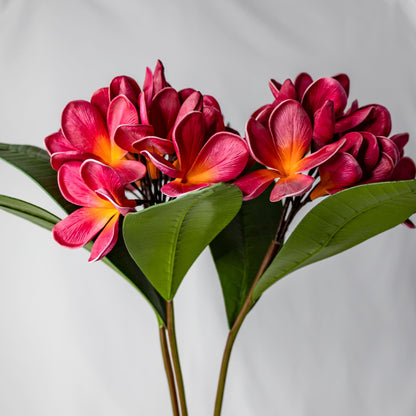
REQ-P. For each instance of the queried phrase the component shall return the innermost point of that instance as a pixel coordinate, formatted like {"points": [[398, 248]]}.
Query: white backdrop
{"points": [[337, 338]]}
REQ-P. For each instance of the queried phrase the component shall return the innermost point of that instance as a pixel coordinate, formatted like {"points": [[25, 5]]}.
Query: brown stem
{"points": [[175, 356], [168, 369]]}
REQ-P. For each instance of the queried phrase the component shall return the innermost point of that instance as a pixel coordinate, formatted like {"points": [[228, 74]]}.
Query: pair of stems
{"points": [[171, 362], [171, 356]]}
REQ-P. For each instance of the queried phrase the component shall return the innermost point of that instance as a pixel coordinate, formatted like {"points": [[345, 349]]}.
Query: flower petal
{"points": [[59, 158], [125, 136], [254, 183], [163, 164], [121, 111], [378, 122], [344, 80], [57, 142], [292, 132], [101, 100], [302, 82], [400, 140], [322, 90], [222, 159], [84, 127], [323, 125], [293, 185], [319, 157], [189, 138], [163, 111], [124, 85], [383, 170], [261, 144], [404, 170], [74, 189], [154, 144], [106, 240], [351, 121], [81, 226], [129, 170], [340, 172], [177, 188]]}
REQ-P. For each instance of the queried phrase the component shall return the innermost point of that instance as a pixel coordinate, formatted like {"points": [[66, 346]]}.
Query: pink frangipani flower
{"points": [[97, 188], [201, 160], [86, 134], [281, 146]]}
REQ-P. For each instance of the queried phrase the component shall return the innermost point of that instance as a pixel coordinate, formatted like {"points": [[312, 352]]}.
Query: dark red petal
{"points": [[124, 85], [323, 125], [164, 110], [351, 121], [378, 122], [275, 87], [322, 90], [162, 164], [192, 103], [404, 170], [400, 140], [344, 80], [353, 143], [383, 170], [154, 144], [287, 92], [341, 172], [302, 82], [59, 158], [369, 153], [159, 80], [390, 148]]}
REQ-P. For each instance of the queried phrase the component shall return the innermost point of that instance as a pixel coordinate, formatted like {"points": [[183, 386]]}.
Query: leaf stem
{"points": [[175, 356], [168, 368], [277, 243]]}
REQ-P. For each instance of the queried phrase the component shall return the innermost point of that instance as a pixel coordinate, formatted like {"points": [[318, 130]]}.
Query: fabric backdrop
{"points": [[336, 338]]}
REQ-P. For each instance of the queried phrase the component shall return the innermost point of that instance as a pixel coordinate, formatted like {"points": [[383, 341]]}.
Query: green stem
{"points": [[168, 368], [271, 253], [175, 356]]}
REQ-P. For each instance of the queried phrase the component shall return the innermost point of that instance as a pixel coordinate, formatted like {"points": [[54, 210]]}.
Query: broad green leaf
{"points": [[166, 239], [35, 162], [28, 211], [340, 222], [239, 249]]}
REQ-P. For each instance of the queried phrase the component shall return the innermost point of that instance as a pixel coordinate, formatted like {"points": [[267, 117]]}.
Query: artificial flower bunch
{"points": [[150, 176]]}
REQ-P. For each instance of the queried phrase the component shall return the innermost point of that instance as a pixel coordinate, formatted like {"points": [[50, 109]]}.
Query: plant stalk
{"points": [[168, 368], [270, 255], [175, 356]]}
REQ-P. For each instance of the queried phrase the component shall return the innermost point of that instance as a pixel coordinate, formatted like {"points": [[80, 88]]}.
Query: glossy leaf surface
{"points": [[340, 222], [239, 249], [166, 239]]}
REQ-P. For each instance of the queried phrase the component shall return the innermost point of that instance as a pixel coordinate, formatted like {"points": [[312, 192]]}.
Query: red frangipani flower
{"points": [[99, 190], [281, 145], [365, 158], [201, 160], [87, 134]]}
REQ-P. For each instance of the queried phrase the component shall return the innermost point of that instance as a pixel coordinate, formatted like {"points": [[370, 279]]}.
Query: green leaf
{"points": [[28, 211], [340, 222], [239, 249], [35, 162], [166, 239]]}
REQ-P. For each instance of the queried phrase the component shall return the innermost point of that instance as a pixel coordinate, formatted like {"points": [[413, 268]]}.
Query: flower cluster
{"points": [[130, 146], [131, 141], [307, 126]]}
